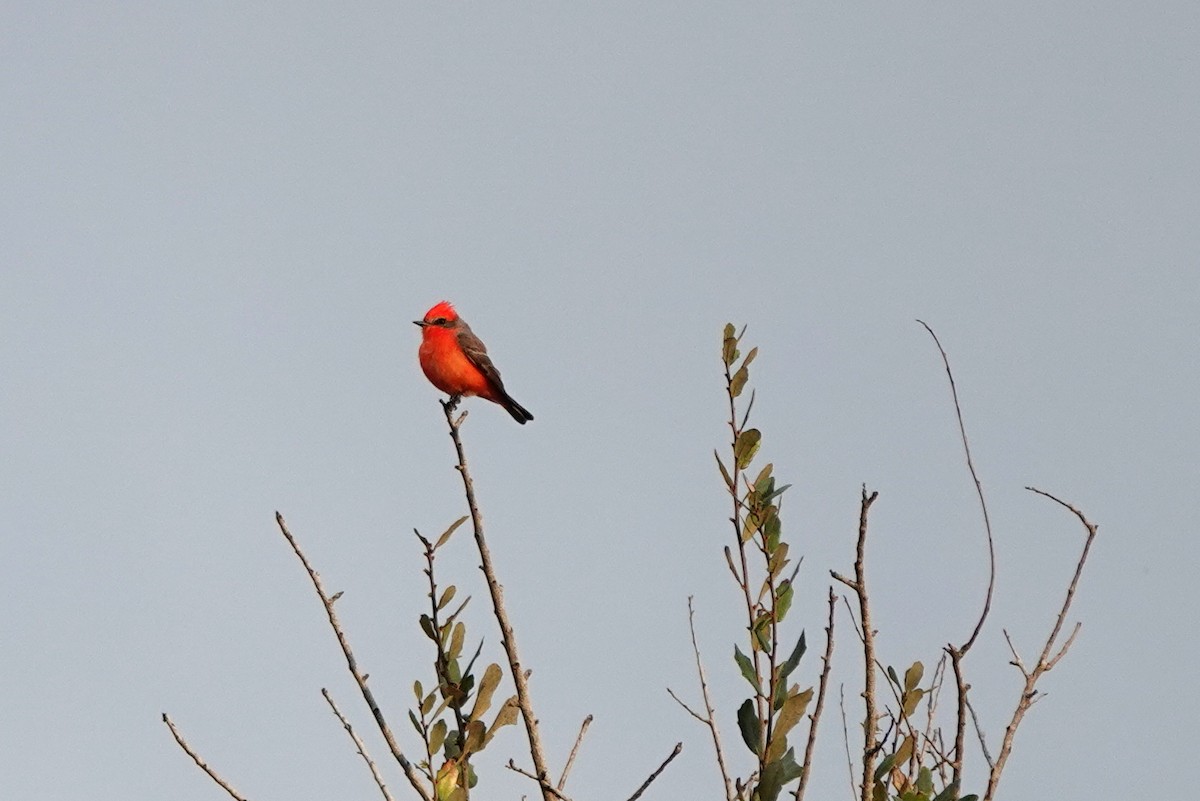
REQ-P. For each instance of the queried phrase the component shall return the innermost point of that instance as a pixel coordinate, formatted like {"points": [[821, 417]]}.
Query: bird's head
{"points": [[442, 315]]}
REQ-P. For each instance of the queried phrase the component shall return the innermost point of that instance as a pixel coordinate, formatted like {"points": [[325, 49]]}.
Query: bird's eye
{"points": [[440, 321]]}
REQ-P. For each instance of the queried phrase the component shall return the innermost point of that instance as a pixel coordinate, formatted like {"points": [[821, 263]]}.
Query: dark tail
{"points": [[518, 412]]}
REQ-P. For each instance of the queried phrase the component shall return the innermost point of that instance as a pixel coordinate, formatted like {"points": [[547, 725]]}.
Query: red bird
{"points": [[456, 362]]}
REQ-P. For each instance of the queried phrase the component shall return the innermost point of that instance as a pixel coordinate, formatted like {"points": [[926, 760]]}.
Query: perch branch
{"points": [[507, 637]]}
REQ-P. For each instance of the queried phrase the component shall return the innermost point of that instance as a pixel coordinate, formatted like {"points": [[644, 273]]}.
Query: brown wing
{"points": [[476, 351]]}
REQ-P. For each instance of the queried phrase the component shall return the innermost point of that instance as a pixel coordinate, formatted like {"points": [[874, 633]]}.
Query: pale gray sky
{"points": [[218, 220]]}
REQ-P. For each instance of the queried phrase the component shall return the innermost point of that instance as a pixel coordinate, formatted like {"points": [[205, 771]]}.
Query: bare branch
{"points": [[507, 636], [870, 741], [352, 664], [562, 780], [987, 523], [958, 652], [987, 755], [846, 739], [710, 719], [546, 786], [358, 743], [1045, 662], [674, 753], [815, 717], [200, 763]]}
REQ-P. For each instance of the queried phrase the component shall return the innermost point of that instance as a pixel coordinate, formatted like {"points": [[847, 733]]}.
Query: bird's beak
{"points": [[421, 323]]}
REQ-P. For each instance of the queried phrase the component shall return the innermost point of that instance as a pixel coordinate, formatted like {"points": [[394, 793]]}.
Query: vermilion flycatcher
{"points": [[456, 362]]}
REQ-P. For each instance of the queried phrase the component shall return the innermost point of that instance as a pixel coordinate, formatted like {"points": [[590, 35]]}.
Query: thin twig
{"points": [[358, 743], [958, 652], [987, 755], [546, 786], [212, 774], [815, 718], [709, 719], [562, 780], [359, 678], [987, 523], [507, 637], [674, 753], [846, 738], [1045, 662]]}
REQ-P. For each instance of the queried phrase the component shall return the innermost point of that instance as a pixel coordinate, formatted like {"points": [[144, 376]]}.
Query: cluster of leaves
{"points": [[450, 717], [759, 562]]}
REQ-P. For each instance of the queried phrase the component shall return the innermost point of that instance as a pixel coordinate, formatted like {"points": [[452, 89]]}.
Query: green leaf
{"points": [[430, 700], [747, 668], [911, 700], [948, 794], [416, 723], [456, 640], [793, 660], [891, 671], [487, 687], [447, 597], [971, 797], [724, 472], [776, 774], [418, 690], [749, 357], [905, 751], [476, 737], [745, 447], [505, 717], [761, 633], [783, 600], [729, 351], [446, 534], [925, 781], [885, 766], [912, 676], [738, 382], [437, 736], [732, 568], [778, 560], [775, 493], [793, 710], [748, 723], [772, 529], [427, 627], [764, 482]]}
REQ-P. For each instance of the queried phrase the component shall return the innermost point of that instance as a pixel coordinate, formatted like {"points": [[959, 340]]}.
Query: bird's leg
{"points": [[452, 403]]}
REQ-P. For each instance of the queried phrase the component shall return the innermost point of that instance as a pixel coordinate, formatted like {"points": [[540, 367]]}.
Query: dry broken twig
{"points": [[212, 774], [358, 744], [352, 664]]}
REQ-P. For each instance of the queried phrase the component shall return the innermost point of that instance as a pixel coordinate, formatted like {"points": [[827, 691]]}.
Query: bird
{"points": [[456, 361]]}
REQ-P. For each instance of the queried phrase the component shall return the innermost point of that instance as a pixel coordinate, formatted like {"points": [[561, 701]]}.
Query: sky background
{"points": [[218, 220]]}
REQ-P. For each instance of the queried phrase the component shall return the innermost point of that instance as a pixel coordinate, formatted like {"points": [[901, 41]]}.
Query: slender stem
{"points": [[352, 664], [358, 743], [815, 718], [1045, 661], [200, 763], [507, 636], [736, 472], [562, 780], [674, 753]]}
